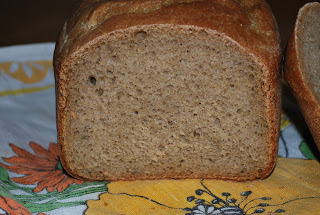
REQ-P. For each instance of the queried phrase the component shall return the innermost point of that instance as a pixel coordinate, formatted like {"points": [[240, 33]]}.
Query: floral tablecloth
{"points": [[32, 180]]}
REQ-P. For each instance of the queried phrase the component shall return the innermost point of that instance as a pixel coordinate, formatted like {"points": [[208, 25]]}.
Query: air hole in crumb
{"points": [[136, 112], [182, 137], [139, 92], [99, 92], [196, 133], [92, 80], [251, 68], [114, 58], [119, 95], [141, 35]]}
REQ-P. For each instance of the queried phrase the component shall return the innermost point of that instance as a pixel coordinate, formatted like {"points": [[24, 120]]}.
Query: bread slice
{"points": [[302, 65], [168, 89]]}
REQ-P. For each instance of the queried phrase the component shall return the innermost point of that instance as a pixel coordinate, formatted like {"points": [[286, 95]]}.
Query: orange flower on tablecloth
{"points": [[10, 206], [43, 169]]}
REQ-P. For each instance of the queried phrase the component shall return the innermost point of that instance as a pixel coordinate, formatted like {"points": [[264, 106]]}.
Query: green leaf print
{"points": [[304, 148]]}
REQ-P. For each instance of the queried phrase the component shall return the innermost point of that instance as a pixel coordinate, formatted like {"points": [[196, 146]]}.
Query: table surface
{"points": [[38, 21]]}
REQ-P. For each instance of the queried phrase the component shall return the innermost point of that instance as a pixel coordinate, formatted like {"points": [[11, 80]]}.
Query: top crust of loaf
{"points": [[295, 73], [248, 23]]}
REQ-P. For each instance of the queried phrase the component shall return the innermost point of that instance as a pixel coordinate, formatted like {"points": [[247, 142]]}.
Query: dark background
{"points": [[36, 21]]}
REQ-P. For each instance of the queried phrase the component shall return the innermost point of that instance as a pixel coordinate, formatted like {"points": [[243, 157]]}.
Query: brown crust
{"points": [[294, 74], [248, 23]]}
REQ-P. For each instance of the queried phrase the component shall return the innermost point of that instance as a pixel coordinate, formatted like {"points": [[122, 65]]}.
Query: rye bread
{"points": [[168, 89]]}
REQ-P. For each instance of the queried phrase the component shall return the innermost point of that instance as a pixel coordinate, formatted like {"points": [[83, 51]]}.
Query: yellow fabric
{"points": [[284, 121], [293, 188], [25, 90], [17, 70], [26, 77]]}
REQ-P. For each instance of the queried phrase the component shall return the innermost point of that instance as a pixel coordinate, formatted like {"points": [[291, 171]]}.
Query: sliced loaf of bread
{"points": [[168, 89], [302, 65]]}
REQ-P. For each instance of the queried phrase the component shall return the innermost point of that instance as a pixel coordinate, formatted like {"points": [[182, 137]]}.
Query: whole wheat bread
{"points": [[168, 89], [302, 65]]}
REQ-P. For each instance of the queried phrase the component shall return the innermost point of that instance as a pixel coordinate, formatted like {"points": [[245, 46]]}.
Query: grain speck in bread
{"points": [[168, 89], [302, 65]]}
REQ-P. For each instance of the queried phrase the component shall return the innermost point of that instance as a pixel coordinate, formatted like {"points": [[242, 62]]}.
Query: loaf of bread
{"points": [[302, 65], [168, 89]]}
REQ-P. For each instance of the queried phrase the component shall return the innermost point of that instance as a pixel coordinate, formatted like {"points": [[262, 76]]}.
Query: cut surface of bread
{"points": [[308, 44], [302, 66], [168, 100]]}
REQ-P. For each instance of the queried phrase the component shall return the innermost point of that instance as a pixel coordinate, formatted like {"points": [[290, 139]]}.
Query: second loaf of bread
{"points": [[168, 89], [302, 65]]}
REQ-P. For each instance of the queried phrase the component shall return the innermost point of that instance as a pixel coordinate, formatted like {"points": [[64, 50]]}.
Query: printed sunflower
{"points": [[10, 206], [43, 168]]}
